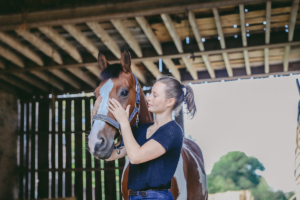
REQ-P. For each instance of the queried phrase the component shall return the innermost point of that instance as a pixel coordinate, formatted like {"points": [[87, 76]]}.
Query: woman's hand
{"points": [[120, 114]]}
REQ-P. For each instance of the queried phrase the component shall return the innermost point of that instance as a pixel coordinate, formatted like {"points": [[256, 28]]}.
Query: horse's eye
{"points": [[124, 93]]}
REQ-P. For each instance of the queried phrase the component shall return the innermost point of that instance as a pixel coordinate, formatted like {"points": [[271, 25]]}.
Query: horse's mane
{"points": [[111, 71]]}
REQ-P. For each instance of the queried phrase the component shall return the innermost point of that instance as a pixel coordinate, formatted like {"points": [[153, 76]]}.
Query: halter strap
{"points": [[134, 112]]}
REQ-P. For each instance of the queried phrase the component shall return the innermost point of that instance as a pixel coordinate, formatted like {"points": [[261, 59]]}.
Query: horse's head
{"points": [[118, 82]]}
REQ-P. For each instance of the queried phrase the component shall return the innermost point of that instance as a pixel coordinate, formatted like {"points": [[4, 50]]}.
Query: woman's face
{"points": [[157, 101]]}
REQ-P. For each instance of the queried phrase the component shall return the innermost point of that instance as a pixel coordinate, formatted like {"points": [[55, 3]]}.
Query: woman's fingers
{"points": [[113, 102]]}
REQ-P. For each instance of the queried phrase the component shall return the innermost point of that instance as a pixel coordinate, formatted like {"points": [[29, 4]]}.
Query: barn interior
{"points": [[50, 48]]}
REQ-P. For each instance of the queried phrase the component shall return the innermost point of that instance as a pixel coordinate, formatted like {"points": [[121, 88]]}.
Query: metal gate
{"points": [[52, 156]]}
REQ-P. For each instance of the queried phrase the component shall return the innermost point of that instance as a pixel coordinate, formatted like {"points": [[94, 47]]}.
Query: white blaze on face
{"points": [[99, 124]]}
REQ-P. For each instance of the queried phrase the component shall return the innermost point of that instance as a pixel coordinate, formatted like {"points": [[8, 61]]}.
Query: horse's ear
{"points": [[126, 60], [102, 61]]}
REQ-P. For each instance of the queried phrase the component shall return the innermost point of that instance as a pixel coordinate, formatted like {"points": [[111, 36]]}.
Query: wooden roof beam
{"points": [[113, 47], [15, 44], [267, 38], [61, 42], [170, 65], [138, 73], [126, 34], [222, 41], [171, 28], [155, 58], [189, 65], [293, 18], [2, 66], [41, 45], [49, 79], [63, 76], [176, 39], [198, 37], [105, 38], [5, 53], [150, 34], [82, 39], [132, 42], [244, 38], [83, 76], [33, 81], [16, 83]]}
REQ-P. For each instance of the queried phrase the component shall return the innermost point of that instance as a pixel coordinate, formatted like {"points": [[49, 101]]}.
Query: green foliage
{"points": [[234, 171]]}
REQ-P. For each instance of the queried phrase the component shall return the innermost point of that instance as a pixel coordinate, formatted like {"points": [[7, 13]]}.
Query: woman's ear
{"points": [[171, 102], [102, 61], [126, 60]]}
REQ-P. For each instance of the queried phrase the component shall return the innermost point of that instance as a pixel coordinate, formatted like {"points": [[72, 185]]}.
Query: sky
{"points": [[255, 116]]}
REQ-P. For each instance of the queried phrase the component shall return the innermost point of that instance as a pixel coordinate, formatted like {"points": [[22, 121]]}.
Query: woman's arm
{"points": [[139, 154], [115, 155], [136, 153]]}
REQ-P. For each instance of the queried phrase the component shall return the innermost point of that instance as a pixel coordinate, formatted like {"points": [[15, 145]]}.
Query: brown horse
{"points": [[117, 81]]}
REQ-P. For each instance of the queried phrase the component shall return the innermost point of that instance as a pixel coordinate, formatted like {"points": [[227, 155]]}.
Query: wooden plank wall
{"points": [[52, 156]]}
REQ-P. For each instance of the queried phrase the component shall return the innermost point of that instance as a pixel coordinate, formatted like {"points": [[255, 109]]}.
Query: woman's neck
{"points": [[162, 118]]}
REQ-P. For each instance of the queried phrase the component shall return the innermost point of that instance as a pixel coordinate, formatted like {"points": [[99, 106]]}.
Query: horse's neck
{"points": [[144, 115]]}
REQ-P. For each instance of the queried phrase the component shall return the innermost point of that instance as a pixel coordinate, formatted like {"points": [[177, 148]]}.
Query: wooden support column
{"points": [[222, 41], [198, 37], [176, 39], [293, 18], [244, 38]]}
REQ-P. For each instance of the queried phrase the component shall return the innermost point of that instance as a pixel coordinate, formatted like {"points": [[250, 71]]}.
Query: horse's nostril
{"points": [[99, 145]]}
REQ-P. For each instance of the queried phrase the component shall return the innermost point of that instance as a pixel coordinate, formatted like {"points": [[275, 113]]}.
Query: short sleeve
{"points": [[169, 137]]}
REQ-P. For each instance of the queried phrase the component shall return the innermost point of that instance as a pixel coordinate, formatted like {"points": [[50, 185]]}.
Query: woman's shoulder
{"points": [[174, 127]]}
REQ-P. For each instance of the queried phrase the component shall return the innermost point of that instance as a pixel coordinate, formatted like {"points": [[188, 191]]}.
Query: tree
{"points": [[234, 171]]}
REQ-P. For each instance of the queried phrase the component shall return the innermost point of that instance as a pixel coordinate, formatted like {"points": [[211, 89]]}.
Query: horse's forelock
{"points": [[111, 71]]}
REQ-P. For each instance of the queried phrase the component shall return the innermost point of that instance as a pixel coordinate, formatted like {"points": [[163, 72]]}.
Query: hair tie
{"points": [[183, 86]]}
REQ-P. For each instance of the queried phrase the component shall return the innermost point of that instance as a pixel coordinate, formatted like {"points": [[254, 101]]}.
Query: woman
{"points": [[154, 148]]}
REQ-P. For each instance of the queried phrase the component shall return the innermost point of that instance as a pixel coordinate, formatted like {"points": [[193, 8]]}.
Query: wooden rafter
{"points": [[189, 65], [244, 38], [131, 41], [15, 44], [66, 78], [83, 76], [176, 39], [267, 38], [198, 37], [170, 65], [61, 42], [155, 58], [105, 38], [49, 79], [2, 66], [150, 34], [113, 47], [82, 39], [172, 31], [152, 68], [293, 18], [138, 73], [41, 45], [7, 54], [33, 81], [16, 83], [107, 12], [222, 41]]}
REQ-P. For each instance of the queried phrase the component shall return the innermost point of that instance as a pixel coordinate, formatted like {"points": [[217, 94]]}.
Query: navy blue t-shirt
{"points": [[157, 173]]}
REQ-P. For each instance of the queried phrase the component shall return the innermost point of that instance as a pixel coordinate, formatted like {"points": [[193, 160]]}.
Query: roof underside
{"points": [[44, 50]]}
